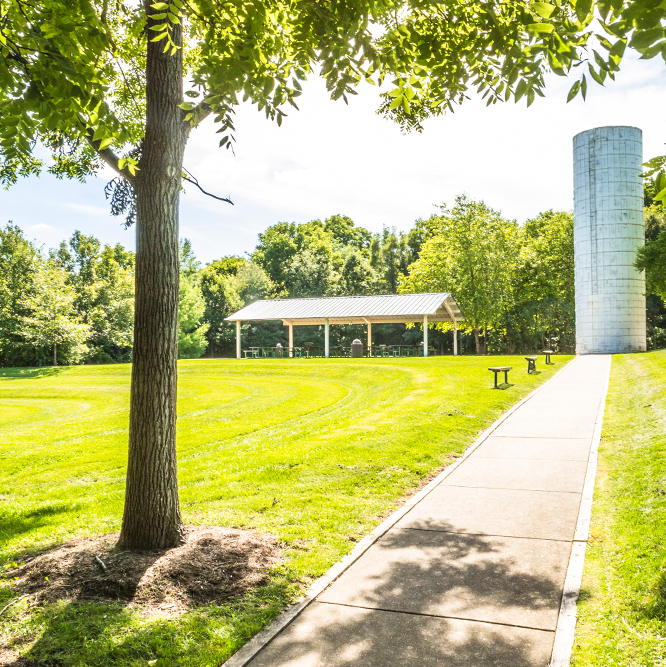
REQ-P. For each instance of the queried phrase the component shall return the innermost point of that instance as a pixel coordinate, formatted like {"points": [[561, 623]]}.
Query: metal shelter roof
{"points": [[438, 306]]}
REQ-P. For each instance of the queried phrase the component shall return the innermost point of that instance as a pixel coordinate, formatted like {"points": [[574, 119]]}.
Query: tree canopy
{"points": [[73, 74]]}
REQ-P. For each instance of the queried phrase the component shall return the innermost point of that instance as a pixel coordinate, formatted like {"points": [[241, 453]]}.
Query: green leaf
{"points": [[660, 181], [537, 29], [573, 91], [617, 50], [600, 62], [583, 8], [187, 106], [583, 86], [543, 9], [655, 162], [396, 102], [105, 142], [598, 77], [653, 50], [661, 196], [521, 89], [641, 39], [604, 8], [160, 36], [99, 133]]}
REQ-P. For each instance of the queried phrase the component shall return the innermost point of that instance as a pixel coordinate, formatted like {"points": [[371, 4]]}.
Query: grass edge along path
{"points": [[315, 452], [622, 606]]}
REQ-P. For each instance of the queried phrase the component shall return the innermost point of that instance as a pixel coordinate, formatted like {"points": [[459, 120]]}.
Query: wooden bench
{"points": [[548, 361], [500, 369], [531, 364]]}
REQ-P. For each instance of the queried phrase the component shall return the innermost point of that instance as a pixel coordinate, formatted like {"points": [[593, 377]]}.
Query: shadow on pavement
{"points": [[415, 609]]}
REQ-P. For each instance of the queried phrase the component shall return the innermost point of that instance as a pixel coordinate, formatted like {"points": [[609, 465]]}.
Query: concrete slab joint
{"points": [[481, 567]]}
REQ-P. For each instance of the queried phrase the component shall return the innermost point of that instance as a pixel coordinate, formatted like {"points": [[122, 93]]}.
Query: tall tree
{"points": [[52, 323], [103, 280], [472, 254], [543, 284], [192, 329], [19, 264], [101, 82]]}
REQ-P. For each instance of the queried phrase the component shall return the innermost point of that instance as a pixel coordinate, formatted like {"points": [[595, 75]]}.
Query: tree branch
{"points": [[194, 181], [200, 112], [108, 156]]}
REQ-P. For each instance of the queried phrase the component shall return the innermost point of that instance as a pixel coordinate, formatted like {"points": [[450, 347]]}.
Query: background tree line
{"points": [[74, 304], [514, 283]]}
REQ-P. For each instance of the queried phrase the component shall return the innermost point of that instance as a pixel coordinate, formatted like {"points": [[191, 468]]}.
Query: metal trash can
{"points": [[356, 349]]}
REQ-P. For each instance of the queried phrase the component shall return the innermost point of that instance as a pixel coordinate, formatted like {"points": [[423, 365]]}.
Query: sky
{"points": [[333, 158]]}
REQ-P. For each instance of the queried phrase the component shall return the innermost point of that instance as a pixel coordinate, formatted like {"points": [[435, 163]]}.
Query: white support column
{"points": [[369, 337], [238, 339], [425, 335], [291, 339], [326, 338], [455, 338]]}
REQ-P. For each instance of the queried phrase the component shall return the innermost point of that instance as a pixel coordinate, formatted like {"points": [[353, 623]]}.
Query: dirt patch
{"points": [[213, 565]]}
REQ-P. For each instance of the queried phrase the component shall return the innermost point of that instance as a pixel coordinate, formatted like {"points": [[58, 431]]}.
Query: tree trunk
{"points": [[151, 519], [477, 340], [55, 354]]}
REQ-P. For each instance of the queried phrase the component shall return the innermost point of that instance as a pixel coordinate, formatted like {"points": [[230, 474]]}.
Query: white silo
{"points": [[608, 229]]}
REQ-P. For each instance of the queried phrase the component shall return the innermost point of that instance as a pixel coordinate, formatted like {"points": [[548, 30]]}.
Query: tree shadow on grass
{"points": [[103, 635], [100, 618], [14, 523], [32, 373], [422, 607], [503, 385]]}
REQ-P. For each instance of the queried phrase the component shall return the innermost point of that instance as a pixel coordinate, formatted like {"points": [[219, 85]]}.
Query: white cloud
{"points": [[41, 226], [89, 210]]}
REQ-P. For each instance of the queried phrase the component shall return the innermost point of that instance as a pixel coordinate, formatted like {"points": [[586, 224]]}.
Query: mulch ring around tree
{"points": [[213, 565]]}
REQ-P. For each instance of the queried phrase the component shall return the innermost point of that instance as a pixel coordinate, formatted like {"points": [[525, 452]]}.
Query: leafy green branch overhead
{"points": [[72, 74]]}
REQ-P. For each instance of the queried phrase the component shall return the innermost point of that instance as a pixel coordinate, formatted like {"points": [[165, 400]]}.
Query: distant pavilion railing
{"points": [[336, 352]]}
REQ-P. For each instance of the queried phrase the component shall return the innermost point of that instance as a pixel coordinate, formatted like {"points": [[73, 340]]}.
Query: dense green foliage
{"points": [[338, 443], [622, 609], [651, 258], [76, 305], [515, 285], [103, 281]]}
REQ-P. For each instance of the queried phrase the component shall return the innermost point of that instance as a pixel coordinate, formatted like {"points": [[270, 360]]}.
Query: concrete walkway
{"points": [[473, 574]]}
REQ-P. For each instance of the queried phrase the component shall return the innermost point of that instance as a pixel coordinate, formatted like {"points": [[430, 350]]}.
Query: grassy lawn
{"points": [[622, 611], [315, 452]]}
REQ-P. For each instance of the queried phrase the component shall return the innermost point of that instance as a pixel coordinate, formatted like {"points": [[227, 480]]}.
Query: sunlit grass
{"points": [[622, 611], [315, 452]]}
